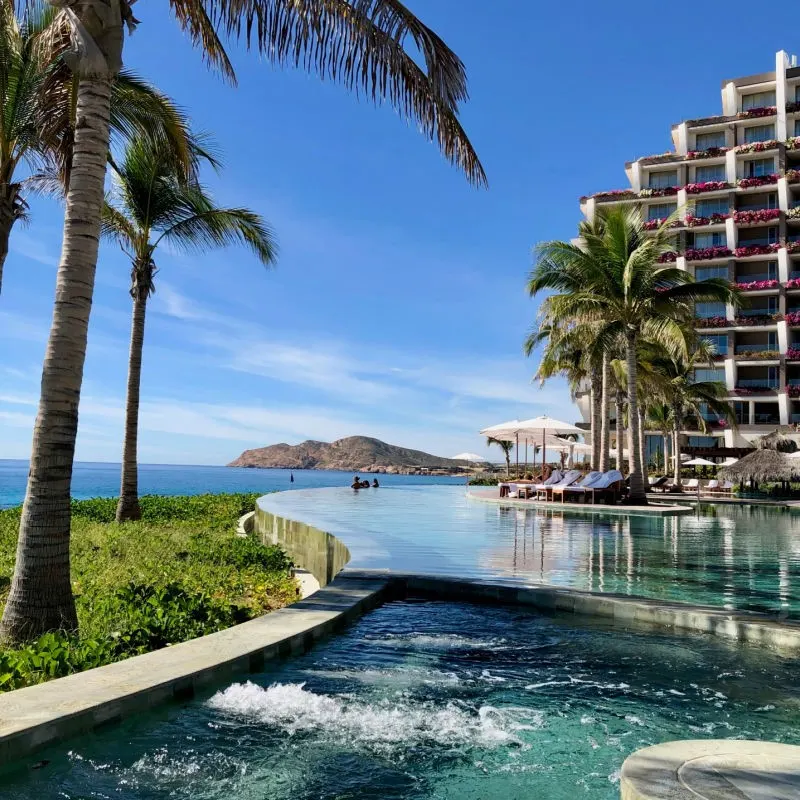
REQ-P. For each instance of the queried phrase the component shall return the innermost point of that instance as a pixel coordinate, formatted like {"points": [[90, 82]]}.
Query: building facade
{"points": [[736, 180]]}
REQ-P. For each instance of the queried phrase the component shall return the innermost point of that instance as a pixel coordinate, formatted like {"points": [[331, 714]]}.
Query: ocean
{"points": [[102, 480]]}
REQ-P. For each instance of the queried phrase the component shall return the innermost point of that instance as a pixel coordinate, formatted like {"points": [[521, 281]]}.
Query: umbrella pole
{"points": [[543, 453], [526, 456], [517, 436]]}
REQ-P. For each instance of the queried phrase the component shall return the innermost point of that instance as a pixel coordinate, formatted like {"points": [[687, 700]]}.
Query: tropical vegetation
{"points": [[178, 573], [374, 47], [622, 320], [506, 446]]}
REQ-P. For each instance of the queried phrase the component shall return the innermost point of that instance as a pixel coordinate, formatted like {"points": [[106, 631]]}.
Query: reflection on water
{"points": [[738, 557]]}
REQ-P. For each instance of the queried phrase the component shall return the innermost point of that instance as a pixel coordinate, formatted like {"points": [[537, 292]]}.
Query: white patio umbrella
{"points": [[469, 457], [505, 432], [542, 426], [698, 462], [729, 460]]}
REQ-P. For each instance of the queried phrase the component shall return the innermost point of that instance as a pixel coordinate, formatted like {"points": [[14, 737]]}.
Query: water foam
{"points": [[384, 726]]}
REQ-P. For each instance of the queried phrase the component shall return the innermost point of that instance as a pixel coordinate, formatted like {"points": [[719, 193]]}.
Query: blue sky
{"points": [[397, 309]]}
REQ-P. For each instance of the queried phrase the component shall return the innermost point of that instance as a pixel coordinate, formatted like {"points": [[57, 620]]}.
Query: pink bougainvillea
{"points": [[792, 247], [696, 222], [792, 143], [706, 186], [661, 191], [754, 286], [793, 391], [615, 194], [792, 175], [793, 317], [758, 319], [793, 283], [665, 258], [760, 180], [712, 322], [757, 147], [793, 354], [759, 215], [706, 253], [756, 250], [711, 152], [761, 111]]}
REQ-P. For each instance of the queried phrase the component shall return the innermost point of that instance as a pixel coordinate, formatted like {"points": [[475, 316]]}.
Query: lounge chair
{"points": [[608, 488], [545, 491], [578, 490], [726, 488], [712, 487], [693, 484], [658, 484]]}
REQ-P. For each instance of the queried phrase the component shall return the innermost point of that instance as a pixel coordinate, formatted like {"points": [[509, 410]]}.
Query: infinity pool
{"points": [[738, 557], [434, 700]]}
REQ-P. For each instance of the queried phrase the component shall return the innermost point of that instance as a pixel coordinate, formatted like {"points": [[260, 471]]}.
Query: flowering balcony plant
{"points": [[652, 224], [660, 191], [792, 175], [792, 107], [756, 250], [754, 217], [615, 194], [761, 111], [748, 390], [754, 286], [793, 318], [706, 253], [793, 391], [792, 143], [792, 247], [793, 283], [710, 152], [760, 180], [712, 322], [757, 147], [793, 354], [706, 186], [667, 257], [759, 319], [758, 355], [696, 222], [793, 213]]}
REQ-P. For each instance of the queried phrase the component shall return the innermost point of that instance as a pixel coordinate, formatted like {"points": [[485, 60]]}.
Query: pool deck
{"points": [[658, 507]]}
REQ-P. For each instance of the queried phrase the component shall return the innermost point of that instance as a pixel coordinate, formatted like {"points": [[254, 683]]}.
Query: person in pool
{"points": [[356, 484], [365, 484], [375, 483]]}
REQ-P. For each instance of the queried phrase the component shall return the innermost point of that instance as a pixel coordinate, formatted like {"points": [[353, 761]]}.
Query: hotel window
{"points": [[758, 167], [703, 441], [759, 133], [704, 141], [706, 310], [758, 100], [719, 341], [710, 172], [704, 273], [715, 239], [705, 208], [797, 93], [663, 179], [710, 375], [661, 211], [797, 127], [754, 202]]}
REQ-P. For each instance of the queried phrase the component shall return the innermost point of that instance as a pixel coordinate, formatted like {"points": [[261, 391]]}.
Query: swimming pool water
{"points": [[737, 557], [434, 700]]}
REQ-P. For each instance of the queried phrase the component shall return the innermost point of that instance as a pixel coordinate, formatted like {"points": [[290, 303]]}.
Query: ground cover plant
{"points": [[178, 573]]}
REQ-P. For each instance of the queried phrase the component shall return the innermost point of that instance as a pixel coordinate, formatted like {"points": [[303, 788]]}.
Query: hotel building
{"points": [[736, 178]]}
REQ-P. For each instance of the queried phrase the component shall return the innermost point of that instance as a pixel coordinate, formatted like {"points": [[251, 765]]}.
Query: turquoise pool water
{"points": [[433, 700], [738, 557]]}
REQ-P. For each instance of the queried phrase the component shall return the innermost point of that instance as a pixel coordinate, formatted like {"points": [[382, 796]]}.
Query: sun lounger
{"points": [[658, 484], [608, 488], [712, 487], [545, 491], [726, 488], [576, 491], [693, 484]]}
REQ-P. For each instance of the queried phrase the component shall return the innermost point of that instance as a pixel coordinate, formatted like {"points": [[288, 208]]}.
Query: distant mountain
{"points": [[353, 454]]}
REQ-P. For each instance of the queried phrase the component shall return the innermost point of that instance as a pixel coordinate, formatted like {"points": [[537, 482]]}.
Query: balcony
{"points": [[757, 216], [748, 386], [706, 253], [758, 316], [760, 247], [751, 283], [712, 219], [758, 181], [707, 186]]}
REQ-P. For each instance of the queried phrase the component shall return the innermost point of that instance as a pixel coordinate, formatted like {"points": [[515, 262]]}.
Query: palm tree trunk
{"points": [[8, 200], [508, 463], [40, 598], [605, 425], [596, 395], [637, 492], [665, 435], [620, 428], [643, 443], [128, 505], [676, 450]]}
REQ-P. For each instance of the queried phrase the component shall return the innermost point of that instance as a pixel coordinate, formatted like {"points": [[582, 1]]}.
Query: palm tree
{"points": [[659, 415], [154, 202], [506, 447], [37, 115], [359, 43], [616, 280]]}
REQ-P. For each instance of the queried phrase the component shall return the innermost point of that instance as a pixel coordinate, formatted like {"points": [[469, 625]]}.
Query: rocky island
{"points": [[352, 454]]}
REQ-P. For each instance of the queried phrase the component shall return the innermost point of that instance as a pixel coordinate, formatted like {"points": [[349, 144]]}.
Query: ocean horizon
{"points": [[101, 479]]}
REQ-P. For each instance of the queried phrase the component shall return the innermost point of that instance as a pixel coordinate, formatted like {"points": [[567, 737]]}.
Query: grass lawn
{"points": [[178, 573]]}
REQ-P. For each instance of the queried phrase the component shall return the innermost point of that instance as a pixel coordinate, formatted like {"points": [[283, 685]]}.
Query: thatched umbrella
{"points": [[777, 441], [761, 465]]}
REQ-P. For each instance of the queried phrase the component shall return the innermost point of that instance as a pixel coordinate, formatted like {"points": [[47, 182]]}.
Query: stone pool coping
{"points": [[659, 509]]}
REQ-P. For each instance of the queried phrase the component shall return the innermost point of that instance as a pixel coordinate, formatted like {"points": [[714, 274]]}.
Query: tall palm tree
{"points": [[153, 203], [359, 43], [615, 279], [37, 115], [506, 447]]}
